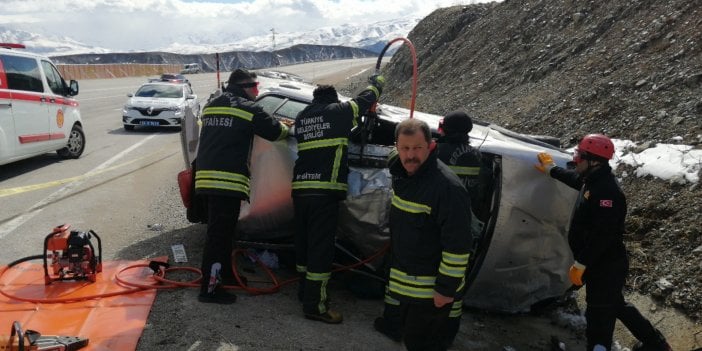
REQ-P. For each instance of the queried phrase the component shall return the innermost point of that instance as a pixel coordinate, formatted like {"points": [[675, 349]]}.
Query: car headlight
{"points": [[127, 108], [179, 110]]}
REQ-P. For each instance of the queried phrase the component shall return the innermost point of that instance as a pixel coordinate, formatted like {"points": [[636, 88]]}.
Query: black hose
{"points": [[25, 259]]}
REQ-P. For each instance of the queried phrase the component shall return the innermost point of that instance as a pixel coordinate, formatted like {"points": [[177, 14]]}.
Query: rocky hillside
{"points": [[631, 69]]}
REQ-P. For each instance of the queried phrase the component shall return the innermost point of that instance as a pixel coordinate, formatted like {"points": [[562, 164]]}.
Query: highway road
{"points": [[112, 187]]}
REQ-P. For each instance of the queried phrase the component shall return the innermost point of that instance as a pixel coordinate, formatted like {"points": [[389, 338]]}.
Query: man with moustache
{"points": [[429, 245]]}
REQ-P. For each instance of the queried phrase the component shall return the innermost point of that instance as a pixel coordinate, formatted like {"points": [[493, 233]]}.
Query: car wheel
{"points": [[76, 144], [126, 127]]}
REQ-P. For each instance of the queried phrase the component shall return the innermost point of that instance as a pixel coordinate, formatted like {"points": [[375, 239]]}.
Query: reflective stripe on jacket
{"points": [[429, 226], [229, 123], [322, 132]]}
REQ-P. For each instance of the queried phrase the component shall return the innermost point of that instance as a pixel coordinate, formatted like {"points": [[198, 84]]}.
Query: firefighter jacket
{"points": [[228, 125], [322, 132], [429, 229], [474, 171], [597, 226]]}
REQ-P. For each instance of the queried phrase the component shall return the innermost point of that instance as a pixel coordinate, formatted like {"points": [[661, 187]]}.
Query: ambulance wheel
{"points": [[76, 144]]}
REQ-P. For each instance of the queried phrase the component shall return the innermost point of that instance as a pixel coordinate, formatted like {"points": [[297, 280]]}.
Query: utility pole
{"points": [[275, 56]]}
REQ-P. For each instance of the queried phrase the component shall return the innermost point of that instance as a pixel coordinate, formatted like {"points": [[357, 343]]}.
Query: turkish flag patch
{"points": [[605, 203]]}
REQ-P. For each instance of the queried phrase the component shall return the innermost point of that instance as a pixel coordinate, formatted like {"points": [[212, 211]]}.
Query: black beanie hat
{"points": [[325, 94], [457, 122]]}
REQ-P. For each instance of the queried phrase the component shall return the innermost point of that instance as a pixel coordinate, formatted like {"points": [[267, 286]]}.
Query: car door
{"points": [[194, 103], [56, 105], [7, 125], [29, 105]]}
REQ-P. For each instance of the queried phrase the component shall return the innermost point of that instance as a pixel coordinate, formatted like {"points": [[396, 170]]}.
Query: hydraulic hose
{"points": [[160, 281], [414, 68]]}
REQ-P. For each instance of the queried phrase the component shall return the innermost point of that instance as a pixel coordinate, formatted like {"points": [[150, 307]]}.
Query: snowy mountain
{"points": [[47, 45], [366, 36]]}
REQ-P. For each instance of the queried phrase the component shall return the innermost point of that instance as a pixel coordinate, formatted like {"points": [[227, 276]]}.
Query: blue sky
{"points": [[149, 24]]}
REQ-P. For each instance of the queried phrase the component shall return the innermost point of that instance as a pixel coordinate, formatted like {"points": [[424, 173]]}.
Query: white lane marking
{"points": [[10, 226]]}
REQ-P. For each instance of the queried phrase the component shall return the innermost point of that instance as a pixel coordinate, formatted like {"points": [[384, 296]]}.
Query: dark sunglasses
{"points": [[248, 85]]}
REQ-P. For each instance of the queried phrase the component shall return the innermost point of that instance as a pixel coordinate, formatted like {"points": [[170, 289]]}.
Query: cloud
{"points": [[146, 24]]}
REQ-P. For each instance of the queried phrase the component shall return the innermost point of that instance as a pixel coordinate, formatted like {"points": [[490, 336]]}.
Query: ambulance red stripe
{"points": [[37, 98], [25, 139]]}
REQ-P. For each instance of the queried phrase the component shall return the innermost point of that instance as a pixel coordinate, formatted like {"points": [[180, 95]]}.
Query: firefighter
{"points": [[454, 149], [429, 245], [319, 182], [222, 174], [596, 240]]}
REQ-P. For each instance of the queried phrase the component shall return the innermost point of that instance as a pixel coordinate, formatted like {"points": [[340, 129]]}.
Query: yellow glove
{"points": [[545, 163], [576, 273]]}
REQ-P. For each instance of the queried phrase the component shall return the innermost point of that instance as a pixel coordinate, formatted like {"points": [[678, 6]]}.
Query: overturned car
{"points": [[521, 254]]}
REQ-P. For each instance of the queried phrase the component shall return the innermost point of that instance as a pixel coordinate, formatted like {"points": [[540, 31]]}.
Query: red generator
{"points": [[71, 255]]}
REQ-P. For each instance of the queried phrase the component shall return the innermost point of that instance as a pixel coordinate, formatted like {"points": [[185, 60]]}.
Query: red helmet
{"points": [[598, 145]]}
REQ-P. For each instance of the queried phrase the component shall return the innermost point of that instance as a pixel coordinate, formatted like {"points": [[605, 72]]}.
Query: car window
{"points": [[22, 73], [56, 83], [281, 107], [160, 91]]}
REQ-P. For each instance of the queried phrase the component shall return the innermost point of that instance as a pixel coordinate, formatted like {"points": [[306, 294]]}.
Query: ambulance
{"points": [[38, 113]]}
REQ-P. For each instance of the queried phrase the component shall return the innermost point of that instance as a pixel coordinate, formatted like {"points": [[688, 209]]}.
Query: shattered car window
{"points": [[281, 107]]}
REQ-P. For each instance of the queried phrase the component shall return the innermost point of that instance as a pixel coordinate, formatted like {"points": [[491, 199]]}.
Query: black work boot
{"points": [[211, 290], [660, 345], [219, 295], [381, 325], [330, 317]]}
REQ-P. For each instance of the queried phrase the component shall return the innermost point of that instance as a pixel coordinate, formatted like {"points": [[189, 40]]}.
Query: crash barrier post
{"points": [[105, 71]]}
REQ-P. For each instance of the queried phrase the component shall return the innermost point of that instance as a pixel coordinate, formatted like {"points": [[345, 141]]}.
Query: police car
{"points": [[38, 113], [159, 104]]}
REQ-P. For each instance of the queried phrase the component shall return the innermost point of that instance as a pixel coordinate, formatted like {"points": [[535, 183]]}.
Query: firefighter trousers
{"points": [[393, 320], [217, 257], [315, 230], [605, 304]]}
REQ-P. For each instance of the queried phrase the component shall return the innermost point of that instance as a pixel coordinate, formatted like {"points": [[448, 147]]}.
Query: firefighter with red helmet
{"points": [[229, 123], [319, 183], [596, 240]]}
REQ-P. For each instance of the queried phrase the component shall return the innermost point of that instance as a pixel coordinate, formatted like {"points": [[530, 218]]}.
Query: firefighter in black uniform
{"points": [[222, 173], [596, 240], [455, 151], [319, 182], [430, 248]]}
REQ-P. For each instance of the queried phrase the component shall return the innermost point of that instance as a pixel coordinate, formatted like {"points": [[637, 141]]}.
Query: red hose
{"points": [[160, 281], [414, 68]]}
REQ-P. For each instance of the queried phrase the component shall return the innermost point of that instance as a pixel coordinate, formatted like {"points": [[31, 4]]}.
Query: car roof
{"points": [[169, 84], [21, 52], [493, 137]]}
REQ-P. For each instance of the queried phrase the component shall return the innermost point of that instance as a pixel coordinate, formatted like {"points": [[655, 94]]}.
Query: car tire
{"points": [[126, 127], [76, 144]]}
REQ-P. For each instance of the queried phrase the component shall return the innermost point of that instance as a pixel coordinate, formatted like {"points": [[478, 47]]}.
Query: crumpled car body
{"points": [[521, 255]]}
